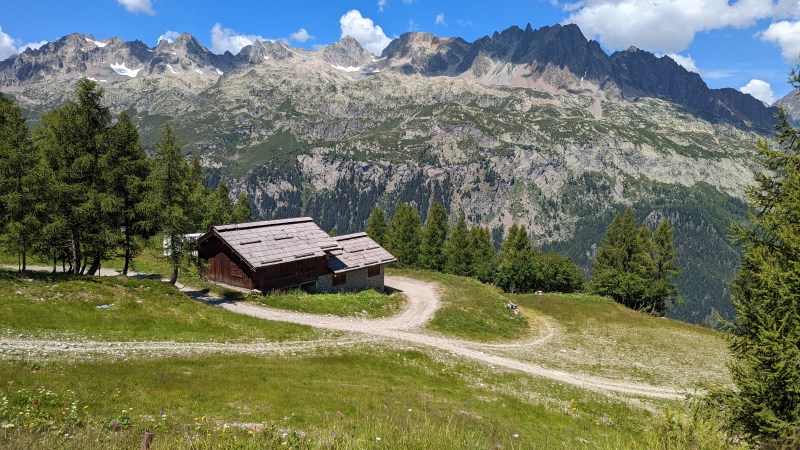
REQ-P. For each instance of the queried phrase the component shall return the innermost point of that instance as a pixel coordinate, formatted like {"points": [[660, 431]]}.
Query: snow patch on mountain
{"points": [[123, 70], [97, 43], [347, 69]]}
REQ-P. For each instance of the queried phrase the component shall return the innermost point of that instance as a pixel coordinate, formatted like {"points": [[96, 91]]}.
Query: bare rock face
{"points": [[791, 104], [262, 51], [346, 53]]}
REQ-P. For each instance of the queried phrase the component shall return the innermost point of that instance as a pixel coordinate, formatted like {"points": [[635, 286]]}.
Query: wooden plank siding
{"points": [[225, 266]]}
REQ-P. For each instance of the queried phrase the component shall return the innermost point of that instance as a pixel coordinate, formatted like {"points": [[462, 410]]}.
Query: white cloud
{"points": [[667, 26], [687, 62], [138, 6], [364, 30], [301, 35], [382, 4], [169, 36], [10, 46], [408, 2], [787, 36], [440, 19], [412, 25], [760, 90], [226, 39]]}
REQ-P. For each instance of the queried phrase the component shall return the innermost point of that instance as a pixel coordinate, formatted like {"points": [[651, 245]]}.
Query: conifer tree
{"points": [[73, 139], [561, 274], [126, 169], [627, 265], [458, 252], [765, 335], [482, 254], [243, 212], [403, 236], [377, 226], [169, 197], [19, 222], [434, 233], [519, 269], [199, 195]]}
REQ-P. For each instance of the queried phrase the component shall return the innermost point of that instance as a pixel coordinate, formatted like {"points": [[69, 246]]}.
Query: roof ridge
{"points": [[345, 237], [261, 224]]}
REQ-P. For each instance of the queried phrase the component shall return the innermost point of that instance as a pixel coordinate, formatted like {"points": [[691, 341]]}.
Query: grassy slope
{"points": [[471, 310], [597, 335], [367, 303], [63, 305], [404, 397]]}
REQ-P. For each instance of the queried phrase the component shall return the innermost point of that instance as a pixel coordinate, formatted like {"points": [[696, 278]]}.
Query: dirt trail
{"points": [[422, 303]]}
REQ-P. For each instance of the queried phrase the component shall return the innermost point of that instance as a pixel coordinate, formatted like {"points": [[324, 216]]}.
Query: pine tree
{"points": [[519, 269], [169, 197], [403, 236], [19, 223], [665, 262], [126, 170], [482, 254], [457, 250], [377, 226], [199, 195], [765, 336], [74, 142], [243, 211], [432, 256]]}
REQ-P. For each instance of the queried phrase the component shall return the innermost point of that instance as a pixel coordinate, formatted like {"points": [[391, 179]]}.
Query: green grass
{"points": [[599, 336], [345, 400], [143, 310], [470, 309], [369, 303]]}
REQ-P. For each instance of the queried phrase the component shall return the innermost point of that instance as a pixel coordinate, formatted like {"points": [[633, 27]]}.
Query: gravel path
{"points": [[422, 303]]}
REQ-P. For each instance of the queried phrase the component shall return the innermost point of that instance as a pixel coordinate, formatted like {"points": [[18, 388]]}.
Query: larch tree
{"points": [[73, 139], [377, 226], [519, 270], [19, 221], [457, 250], [126, 171], [403, 235], [482, 254], [169, 198], [220, 208], [765, 335], [434, 233], [243, 211]]}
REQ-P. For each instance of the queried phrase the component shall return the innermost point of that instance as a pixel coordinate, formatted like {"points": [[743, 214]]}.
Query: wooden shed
{"points": [[279, 254]]}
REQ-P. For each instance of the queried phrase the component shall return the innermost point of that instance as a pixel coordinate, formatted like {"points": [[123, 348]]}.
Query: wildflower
{"points": [[377, 439], [516, 436], [249, 432]]}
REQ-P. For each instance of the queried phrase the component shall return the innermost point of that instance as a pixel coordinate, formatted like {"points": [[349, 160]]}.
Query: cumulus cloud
{"points": [[687, 62], [10, 46], [364, 30], [760, 90], [226, 39], [787, 36], [667, 26], [440, 19], [301, 36], [138, 6], [169, 36]]}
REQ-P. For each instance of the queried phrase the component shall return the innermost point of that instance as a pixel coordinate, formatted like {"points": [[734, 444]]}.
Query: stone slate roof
{"points": [[271, 242], [357, 251]]}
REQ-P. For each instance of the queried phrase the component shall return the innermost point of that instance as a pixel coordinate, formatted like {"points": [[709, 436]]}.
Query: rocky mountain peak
{"points": [[347, 52], [261, 51]]}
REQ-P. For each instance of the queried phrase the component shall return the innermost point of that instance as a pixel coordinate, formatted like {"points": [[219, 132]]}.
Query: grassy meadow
{"points": [[369, 303]]}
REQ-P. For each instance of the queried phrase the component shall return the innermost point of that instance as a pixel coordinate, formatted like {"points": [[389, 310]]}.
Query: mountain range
{"points": [[539, 127]]}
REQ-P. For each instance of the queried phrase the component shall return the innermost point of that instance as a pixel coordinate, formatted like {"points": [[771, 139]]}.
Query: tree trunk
{"points": [[174, 278], [127, 249], [95, 266], [76, 253], [175, 257], [55, 264]]}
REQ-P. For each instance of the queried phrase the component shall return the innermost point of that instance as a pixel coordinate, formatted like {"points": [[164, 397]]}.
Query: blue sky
{"points": [[752, 43]]}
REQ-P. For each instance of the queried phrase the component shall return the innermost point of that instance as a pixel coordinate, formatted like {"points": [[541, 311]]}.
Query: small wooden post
{"points": [[146, 440]]}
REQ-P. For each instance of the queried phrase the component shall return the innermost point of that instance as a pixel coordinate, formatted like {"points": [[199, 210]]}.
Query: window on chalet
{"points": [[339, 279], [373, 271]]}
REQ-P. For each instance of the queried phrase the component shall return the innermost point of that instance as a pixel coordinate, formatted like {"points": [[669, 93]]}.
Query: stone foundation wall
{"points": [[357, 280]]}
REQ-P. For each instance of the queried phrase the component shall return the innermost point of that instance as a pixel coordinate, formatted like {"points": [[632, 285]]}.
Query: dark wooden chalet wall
{"points": [[226, 267]]}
